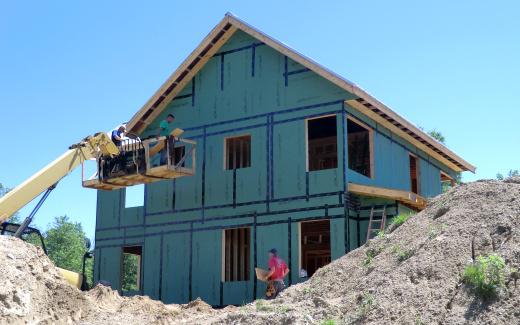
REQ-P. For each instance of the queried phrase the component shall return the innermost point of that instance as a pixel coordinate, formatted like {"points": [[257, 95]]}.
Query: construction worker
{"points": [[118, 134], [164, 130], [278, 270]]}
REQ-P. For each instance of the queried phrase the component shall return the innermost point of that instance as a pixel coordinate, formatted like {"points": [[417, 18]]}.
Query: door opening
{"points": [[315, 246]]}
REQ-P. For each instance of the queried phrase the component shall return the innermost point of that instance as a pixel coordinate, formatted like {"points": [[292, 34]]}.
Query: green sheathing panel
{"points": [[429, 177], [108, 209], [108, 261], [206, 266], [159, 196], [246, 89], [175, 279]]}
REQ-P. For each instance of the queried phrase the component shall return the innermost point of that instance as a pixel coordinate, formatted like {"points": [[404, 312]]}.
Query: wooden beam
{"points": [[399, 195]]}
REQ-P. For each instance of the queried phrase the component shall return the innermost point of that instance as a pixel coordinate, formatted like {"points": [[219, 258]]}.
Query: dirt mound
{"points": [[412, 275], [409, 276], [33, 291]]}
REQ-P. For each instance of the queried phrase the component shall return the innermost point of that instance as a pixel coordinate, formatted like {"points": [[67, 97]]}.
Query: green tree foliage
{"points": [[437, 136], [511, 173], [130, 281], [65, 241]]}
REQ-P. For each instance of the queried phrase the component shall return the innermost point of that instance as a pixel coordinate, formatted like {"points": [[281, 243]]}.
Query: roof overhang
{"points": [[365, 103]]}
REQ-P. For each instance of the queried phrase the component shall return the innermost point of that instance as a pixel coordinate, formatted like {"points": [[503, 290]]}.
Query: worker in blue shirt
{"points": [[164, 130], [118, 134]]}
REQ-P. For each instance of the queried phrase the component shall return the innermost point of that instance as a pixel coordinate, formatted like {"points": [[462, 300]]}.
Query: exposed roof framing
{"points": [[365, 103]]}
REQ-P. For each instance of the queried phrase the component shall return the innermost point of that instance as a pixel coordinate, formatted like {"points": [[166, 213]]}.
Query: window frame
{"points": [[225, 147], [307, 167], [370, 145], [223, 254], [417, 172], [300, 246]]}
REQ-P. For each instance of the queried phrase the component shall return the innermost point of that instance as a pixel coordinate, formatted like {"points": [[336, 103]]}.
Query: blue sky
{"points": [[72, 68]]}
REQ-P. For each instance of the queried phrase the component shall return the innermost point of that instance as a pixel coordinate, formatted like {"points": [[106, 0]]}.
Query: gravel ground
{"points": [[414, 277]]}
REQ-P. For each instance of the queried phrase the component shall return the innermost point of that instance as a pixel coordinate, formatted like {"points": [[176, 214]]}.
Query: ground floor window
{"points": [[236, 246], [314, 246], [131, 268]]}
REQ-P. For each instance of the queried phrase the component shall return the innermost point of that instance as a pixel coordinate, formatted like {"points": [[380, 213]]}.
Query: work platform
{"points": [[146, 161]]}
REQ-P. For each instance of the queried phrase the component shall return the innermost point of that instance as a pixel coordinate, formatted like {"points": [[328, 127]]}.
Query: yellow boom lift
{"points": [[129, 164]]}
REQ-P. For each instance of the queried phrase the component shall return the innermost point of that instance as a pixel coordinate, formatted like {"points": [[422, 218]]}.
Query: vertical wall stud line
{"points": [[98, 257], [268, 171], [143, 268], [121, 207], [307, 186], [346, 202], [344, 145], [190, 276], [193, 91], [203, 190], [285, 74], [358, 217], [221, 300], [289, 247], [161, 267], [234, 187], [255, 257], [222, 72], [271, 153], [174, 185], [145, 204], [253, 54]]}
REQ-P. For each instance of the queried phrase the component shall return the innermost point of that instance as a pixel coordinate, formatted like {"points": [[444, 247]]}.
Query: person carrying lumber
{"points": [[278, 270], [164, 130]]}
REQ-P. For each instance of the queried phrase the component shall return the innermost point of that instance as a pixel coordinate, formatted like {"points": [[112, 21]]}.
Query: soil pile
{"points": [[32, 291], [409, 276], [413, 274]]}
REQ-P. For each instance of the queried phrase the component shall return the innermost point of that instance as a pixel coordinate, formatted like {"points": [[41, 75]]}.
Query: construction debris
{"points": [[412, 275]]}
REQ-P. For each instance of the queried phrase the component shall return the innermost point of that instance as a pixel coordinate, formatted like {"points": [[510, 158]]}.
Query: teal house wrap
{"points": [[289, 155]]}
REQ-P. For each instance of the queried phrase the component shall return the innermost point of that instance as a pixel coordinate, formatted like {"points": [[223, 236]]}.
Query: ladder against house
{"points": [[377, 222]]}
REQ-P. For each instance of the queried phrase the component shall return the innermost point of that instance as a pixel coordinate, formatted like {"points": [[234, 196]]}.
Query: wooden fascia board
{"points": [[403, 196], [181, 69], [379, 119]]}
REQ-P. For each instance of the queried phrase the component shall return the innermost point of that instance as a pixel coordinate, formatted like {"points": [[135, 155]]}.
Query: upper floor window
{"points": [[322, 143], [360, 147], [414, 174], [237, 152]]}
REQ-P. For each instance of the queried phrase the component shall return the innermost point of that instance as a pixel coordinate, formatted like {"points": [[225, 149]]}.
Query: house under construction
{"points": [[288, 155]]}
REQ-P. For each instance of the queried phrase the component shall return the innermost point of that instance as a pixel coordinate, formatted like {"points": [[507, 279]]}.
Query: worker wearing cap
{"points": [[164, 131], [278, 270], [118, 134]]}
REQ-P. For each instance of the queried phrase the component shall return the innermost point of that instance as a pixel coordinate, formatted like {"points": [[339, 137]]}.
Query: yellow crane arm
{"points": [[99, 144]]}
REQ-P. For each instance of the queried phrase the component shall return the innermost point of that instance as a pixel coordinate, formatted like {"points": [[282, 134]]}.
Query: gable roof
{"points": [[365, 103]]}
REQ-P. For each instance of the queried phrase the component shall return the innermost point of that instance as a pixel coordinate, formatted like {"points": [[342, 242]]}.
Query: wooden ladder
{"points": [[373, 229]]}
